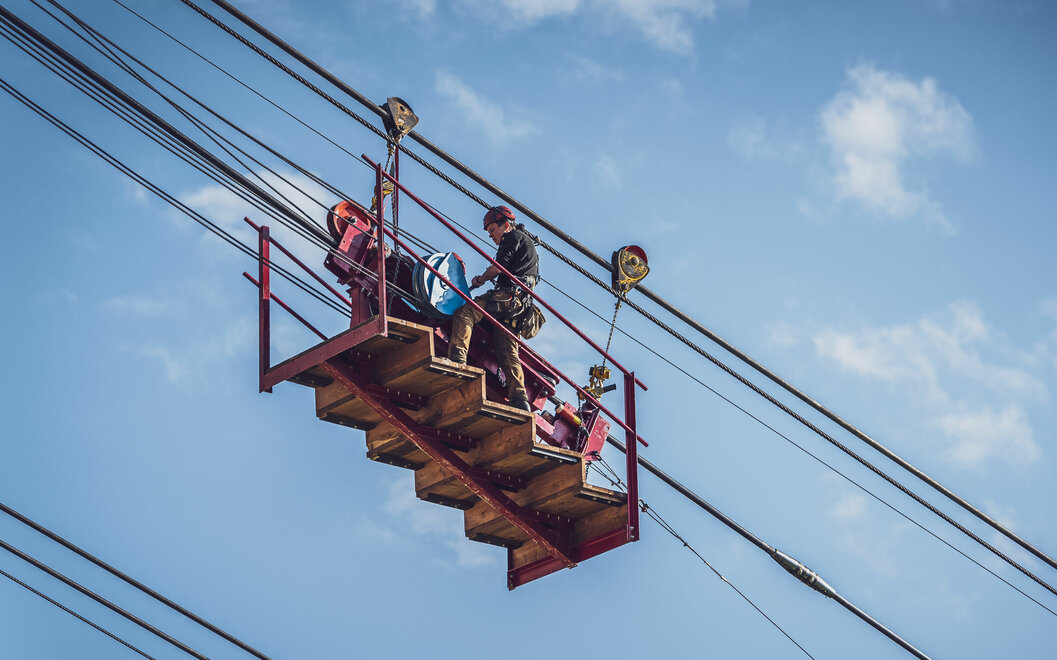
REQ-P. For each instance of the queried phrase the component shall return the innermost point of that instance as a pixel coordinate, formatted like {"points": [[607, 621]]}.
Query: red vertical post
{"points": [[631, 441], [380, 217], [264, 305]]}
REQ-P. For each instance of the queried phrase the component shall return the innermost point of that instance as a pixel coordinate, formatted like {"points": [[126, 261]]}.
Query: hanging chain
{"points": [[390, 167], [612, 327]]}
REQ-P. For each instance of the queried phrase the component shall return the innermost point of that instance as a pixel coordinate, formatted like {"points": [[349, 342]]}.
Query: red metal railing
{"points": [[628, 423], [379, 325]]}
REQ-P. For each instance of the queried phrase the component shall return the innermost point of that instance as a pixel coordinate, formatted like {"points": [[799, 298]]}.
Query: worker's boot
{"points": [[457, 355], [519, 401]]}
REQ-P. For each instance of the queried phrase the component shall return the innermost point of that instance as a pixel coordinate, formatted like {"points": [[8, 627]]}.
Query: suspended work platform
{"points": [[519, 476], [428, 414]]}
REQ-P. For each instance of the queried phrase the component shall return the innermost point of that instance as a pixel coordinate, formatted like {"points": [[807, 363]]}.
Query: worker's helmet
{"points": [[498, 214]]}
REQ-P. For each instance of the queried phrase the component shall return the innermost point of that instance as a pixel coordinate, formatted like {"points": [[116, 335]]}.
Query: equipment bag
{"points": [[503, 304], [531, 321]]}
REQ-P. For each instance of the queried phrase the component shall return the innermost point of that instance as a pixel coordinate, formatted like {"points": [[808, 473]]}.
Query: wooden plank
{"points": [[509, 450], [483, 520], [609, 520], [357, 383], [606, 520], [356, 409], [402, 332], [384, 439], [526, 554], [433, 480], [330, 397], [548, 493], [428, 376]]}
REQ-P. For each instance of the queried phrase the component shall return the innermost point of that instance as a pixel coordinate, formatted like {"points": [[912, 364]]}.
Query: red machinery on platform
{"points": [[519, 476]]}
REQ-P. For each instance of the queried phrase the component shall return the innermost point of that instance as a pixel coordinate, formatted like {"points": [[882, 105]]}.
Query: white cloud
{"points": [[225, 209], [1047, 348], [757, 139], [782, 335], [436, 524], [954, 367], [982, 434], [1004, 515], [667, 24], [849, 506], [879, 123], [141, 306], [196, 360], [606, 170], [531, 11], [479, 111], [949, 342], [587, 70], [422, 8], [64, 296], [858, 532]]}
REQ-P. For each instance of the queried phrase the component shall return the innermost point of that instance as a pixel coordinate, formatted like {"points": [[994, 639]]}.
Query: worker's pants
{"points": [[506, 348]]}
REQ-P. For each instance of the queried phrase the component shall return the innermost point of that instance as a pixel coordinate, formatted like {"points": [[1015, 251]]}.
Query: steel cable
{"points": [[614, 479], [74, 614], [601, 262], [809, 453], [102, 601]]}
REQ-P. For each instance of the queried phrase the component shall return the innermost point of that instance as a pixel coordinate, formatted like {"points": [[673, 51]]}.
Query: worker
{"points": [[506, 302]]}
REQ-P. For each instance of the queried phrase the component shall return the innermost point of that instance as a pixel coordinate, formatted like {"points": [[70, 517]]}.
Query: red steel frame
{"points": [[554, 541]]}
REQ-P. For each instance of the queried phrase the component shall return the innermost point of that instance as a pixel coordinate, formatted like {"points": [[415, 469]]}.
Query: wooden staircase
{"points": [[425, 413]]}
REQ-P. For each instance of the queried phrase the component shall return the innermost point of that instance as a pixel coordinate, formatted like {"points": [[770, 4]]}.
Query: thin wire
{"points": [[614, 479], [123, 168], [308, 126], [818, 431], [107, 101], [671, 331], [299, 78], [208, 131], [808, 452], [99, 599], [153, 117], [705, 354], [240, 82], [102, 96], [75, 614], [584, 272], [116, 59]]}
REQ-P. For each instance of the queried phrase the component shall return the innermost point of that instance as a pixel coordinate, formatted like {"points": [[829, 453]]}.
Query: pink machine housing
{"points": [[580, 429]]}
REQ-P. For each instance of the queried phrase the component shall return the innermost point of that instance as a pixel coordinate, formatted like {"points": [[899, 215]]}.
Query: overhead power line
{"points": [[803, 449], [131, 581], [102, 601], [161, 123], [116, 105], [569, 240], [609, 474], [74, 614], [792, 566]]}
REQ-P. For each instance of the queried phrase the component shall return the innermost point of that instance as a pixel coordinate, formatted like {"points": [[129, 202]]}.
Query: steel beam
{"points": [[447, 459]]}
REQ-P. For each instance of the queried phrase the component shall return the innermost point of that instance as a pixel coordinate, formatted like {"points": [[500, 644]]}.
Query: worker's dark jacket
{"points": [[517, 254]]}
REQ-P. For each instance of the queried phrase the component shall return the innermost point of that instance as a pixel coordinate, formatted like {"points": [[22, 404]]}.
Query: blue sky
{"points": [[859, 195]]}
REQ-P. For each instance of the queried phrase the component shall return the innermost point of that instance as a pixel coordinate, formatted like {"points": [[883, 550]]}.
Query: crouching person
{"points": [[506, 302]]}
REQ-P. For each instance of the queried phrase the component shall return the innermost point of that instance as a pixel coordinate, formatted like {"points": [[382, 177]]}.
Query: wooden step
{"points": [[447, 403], [610, 519], [562, 491]]}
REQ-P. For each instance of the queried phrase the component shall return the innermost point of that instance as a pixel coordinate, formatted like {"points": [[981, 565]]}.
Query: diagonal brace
{"points": [[447, 459]]}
